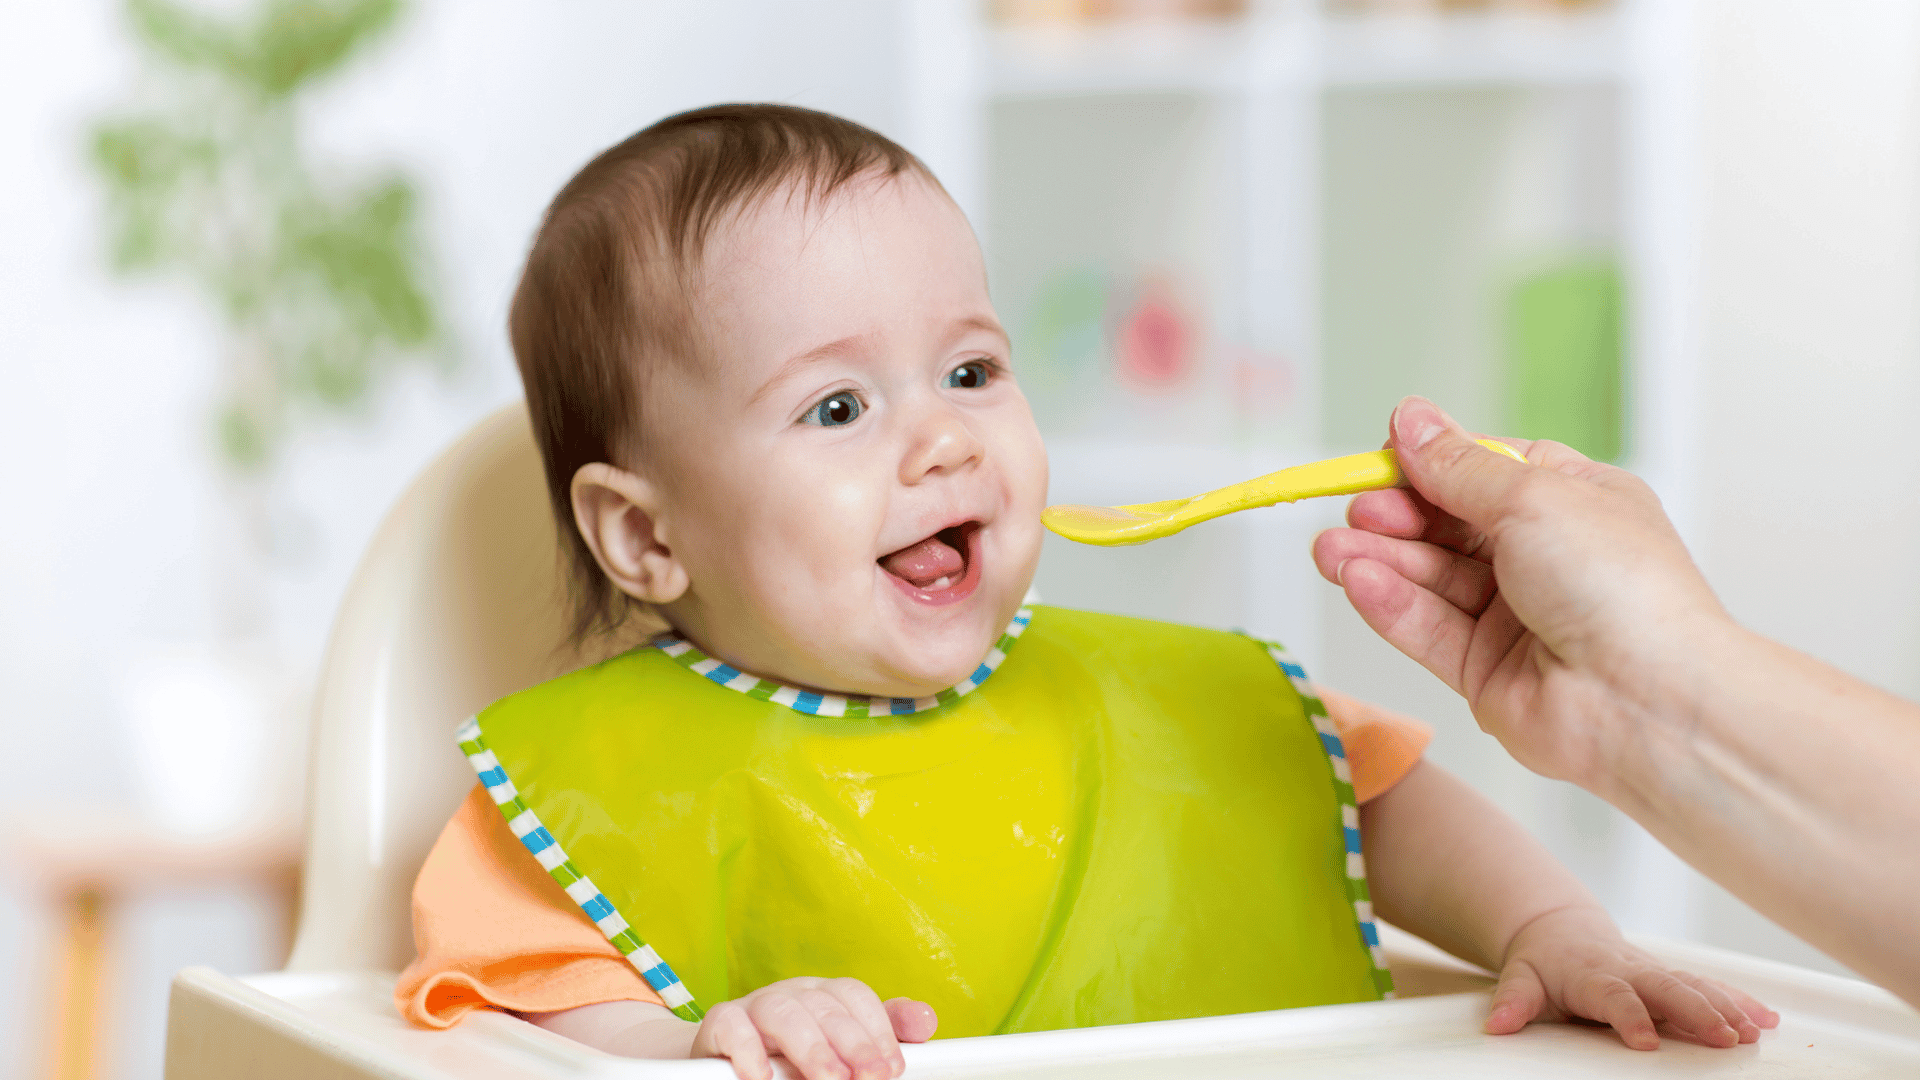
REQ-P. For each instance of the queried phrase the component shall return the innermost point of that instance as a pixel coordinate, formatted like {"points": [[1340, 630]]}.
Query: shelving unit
{"points": [[1241, 55], [1493, 49], [1203, 151]]}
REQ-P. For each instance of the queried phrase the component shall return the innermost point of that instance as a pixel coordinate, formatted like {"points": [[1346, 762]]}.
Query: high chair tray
{"points": [[305, 1026]]}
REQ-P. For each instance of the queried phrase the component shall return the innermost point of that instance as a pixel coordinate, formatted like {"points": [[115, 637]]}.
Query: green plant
{"points": [[319, 282]]}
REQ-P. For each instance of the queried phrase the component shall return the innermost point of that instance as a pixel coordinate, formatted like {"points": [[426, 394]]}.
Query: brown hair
{"points": [[606, 290]]}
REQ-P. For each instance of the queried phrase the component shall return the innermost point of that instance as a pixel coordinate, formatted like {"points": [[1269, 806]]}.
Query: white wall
{"points": [[1809, 468]]}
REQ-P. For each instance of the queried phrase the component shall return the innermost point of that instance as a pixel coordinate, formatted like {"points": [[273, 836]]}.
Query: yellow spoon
{"points": [[1110, 526]]}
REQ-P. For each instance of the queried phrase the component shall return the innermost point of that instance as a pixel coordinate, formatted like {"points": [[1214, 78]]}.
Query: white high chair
{"points": [[457, 603]]}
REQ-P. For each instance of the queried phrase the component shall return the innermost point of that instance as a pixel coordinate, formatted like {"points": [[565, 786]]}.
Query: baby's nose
{"points": [[942, 442]]}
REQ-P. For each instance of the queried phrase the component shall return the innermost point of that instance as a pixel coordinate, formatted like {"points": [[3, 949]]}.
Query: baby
{"points": [[777, 410]]}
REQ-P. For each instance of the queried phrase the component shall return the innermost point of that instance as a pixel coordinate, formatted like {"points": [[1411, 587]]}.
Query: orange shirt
{"points": [[492, 930]]}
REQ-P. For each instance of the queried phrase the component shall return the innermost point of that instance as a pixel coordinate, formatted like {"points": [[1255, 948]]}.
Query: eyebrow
{"points": [[852, 344], [829, 351], [982, 323]]}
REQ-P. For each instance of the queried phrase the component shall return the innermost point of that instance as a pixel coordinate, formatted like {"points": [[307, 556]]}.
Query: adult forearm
{"points": [[1792, 784]]}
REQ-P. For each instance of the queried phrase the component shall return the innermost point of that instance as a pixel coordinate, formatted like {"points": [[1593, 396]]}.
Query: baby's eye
{"points": [[971, 375], [840, 409]]}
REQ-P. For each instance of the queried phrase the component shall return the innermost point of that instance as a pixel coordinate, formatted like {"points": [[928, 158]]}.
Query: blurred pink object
{"points": [[1154, 345], [1262, 382]]}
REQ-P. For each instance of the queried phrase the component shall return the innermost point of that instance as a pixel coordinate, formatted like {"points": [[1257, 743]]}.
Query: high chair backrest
{"points": [[458, 601]]}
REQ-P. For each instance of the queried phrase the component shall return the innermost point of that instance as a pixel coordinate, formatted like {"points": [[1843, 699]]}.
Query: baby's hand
{"points": [[829, 1029], [1574, 963]]}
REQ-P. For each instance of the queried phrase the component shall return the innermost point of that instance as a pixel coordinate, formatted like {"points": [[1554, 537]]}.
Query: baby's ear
{"points": [[617, 512]]}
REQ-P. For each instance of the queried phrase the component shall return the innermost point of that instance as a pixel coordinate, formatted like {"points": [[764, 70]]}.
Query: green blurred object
{"points": [[321, 285], [1066, 334], [1565, 328]]}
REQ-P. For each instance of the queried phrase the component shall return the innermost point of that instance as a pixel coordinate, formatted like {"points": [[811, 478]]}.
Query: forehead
{"points": [[878, 256]]}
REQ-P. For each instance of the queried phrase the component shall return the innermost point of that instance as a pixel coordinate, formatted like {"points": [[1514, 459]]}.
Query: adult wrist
{"points": [[1668, 696]]}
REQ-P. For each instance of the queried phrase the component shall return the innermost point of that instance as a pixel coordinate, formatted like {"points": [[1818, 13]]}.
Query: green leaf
{"points": [[245, 440], [140, 239], [147, 162], [189, 38], [338, 370], [148, 155], [363, 254], [297, 41], [290, 42]]}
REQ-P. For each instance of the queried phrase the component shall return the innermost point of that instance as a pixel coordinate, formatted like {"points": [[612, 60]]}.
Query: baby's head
{"points": [[775, 405]]}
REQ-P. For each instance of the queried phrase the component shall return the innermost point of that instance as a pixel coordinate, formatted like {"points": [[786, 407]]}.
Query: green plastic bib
{"points": [[1129, 821]]}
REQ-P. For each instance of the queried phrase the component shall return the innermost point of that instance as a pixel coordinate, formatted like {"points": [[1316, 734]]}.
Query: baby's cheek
{"points": [[842, 502], [815, 537], [1022, 458]]}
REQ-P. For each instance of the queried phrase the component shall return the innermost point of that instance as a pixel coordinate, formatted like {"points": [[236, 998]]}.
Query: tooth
{"points": [[940, 584]]}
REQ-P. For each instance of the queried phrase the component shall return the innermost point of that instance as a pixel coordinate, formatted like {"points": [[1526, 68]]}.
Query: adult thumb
{"points": [[1444, 464]]}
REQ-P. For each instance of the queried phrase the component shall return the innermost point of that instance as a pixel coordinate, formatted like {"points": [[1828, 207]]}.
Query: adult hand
{"points": [[1558, 600], [1550, 595]]}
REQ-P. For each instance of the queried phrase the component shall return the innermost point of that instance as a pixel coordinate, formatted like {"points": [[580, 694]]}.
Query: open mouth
{"points": [[942, 568]]}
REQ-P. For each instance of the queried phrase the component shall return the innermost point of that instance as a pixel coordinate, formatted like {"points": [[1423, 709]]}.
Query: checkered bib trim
{"points": [[852, 706], [526, 826], [1349, 811]]}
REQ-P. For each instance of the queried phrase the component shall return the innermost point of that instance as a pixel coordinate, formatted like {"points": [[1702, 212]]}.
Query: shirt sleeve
{"points": [[1382, 746], [492, 931]]}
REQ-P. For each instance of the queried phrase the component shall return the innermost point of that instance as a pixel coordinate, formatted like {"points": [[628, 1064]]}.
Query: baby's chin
{"points": [[913, 665], [907, 673], [896, 650]]}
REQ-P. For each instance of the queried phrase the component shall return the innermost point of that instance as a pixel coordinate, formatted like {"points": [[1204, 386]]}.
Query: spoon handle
{"points": [[1350, 475]]}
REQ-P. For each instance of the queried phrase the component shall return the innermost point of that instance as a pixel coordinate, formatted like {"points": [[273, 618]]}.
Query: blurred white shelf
{"points": [[1237, 56], [1119, 58], [1503, 49]]}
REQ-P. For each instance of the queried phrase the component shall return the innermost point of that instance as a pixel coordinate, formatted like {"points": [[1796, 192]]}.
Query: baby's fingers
{"points": [[864, 1006], [1757, 1012], [871, 1054], [1610, 1000], [1685, 1007], [793, 1031], [1732, 1009], [1516, 1001], [728, 1032], [913, 1021]]}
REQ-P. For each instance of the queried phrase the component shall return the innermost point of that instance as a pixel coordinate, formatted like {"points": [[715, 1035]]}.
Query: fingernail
{"points": [[1340, 572], [1416, 421]]}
